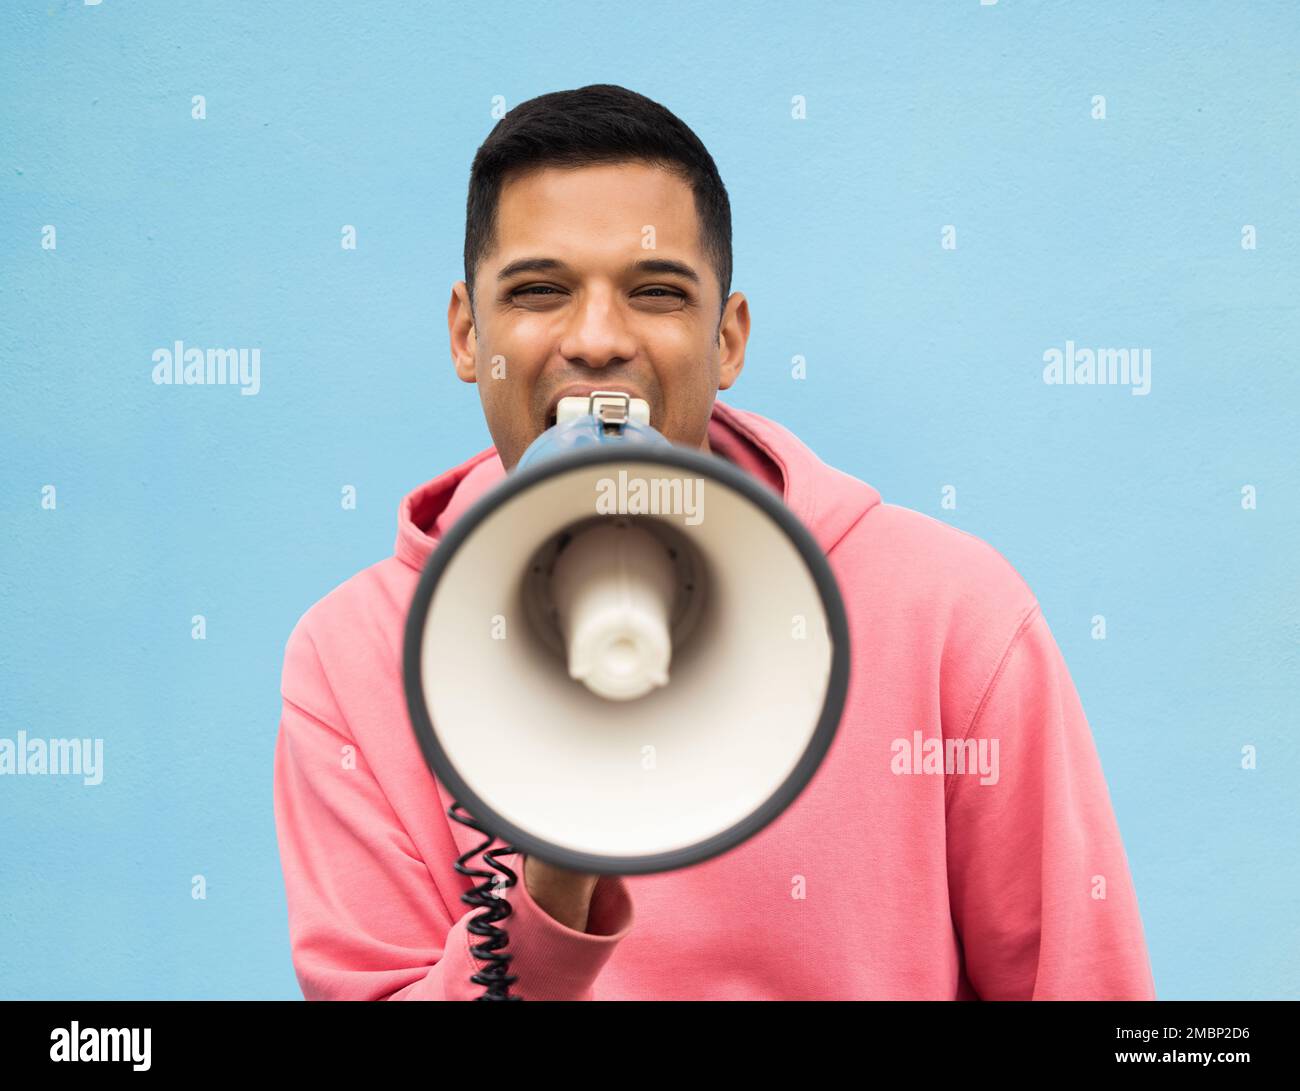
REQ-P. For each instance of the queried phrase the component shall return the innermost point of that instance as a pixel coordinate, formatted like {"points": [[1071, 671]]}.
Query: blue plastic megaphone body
{"points": [[587, 430]]}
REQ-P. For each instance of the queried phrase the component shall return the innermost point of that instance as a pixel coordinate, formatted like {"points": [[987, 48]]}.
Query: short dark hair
{"points": [[599, 123]]}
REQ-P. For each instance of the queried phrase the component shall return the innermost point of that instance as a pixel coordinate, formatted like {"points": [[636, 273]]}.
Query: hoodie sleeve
{"points": [[1038, 878], [366, 919]]}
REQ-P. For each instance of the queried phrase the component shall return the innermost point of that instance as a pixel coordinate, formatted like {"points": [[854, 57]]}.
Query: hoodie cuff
{"points": [[552, 960]]}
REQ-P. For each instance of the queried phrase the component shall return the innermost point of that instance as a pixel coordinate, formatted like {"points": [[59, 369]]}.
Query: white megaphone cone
{"points": [[629, 656], [614, 588]]}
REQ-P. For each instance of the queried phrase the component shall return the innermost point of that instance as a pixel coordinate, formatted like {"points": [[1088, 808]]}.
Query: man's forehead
{"points": [[633, 181], [608, 204]]}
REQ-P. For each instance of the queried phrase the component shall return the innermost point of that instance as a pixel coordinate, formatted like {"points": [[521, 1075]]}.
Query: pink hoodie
{"points": [[887, 878]]}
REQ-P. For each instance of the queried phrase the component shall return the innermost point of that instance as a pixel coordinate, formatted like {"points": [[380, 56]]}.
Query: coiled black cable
{"points": [[488, 895]]}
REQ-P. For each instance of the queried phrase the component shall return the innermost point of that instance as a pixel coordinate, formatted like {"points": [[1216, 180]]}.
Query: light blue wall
{"points": [[924, 370]]}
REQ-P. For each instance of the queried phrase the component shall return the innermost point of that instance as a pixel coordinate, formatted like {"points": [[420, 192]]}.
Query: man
{"points": [[894, 875]]}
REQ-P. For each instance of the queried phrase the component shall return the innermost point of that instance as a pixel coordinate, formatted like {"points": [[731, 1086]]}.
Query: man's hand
{"points": [[564, 894]]}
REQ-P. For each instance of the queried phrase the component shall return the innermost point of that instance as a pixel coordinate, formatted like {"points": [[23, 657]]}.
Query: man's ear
{"points": [[460, 329], [733, 335]]}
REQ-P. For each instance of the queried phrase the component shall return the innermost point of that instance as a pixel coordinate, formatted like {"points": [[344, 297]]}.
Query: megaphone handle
{"points": [[488, 896]]}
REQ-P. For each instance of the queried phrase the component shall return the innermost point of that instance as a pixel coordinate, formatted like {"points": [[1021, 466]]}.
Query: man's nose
{"points": [[598, 333]]}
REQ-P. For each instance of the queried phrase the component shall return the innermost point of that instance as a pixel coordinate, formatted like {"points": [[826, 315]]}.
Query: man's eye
{"points": [[543, 291]]}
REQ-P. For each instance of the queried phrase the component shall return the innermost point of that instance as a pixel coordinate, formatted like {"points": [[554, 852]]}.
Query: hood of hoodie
{"points": [[826, 500]]}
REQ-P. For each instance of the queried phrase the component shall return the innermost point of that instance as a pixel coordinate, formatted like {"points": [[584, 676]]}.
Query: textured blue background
{"points": [[924, 370]]}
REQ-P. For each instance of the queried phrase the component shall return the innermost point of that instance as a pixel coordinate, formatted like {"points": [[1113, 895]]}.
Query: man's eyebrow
{"points": [[666, 266]]}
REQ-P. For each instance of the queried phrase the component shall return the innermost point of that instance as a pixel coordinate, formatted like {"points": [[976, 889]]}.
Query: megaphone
{"points": [[628, 657]]}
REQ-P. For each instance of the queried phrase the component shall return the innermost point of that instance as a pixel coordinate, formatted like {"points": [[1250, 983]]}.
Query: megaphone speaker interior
{"points": [[703, 712]]}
